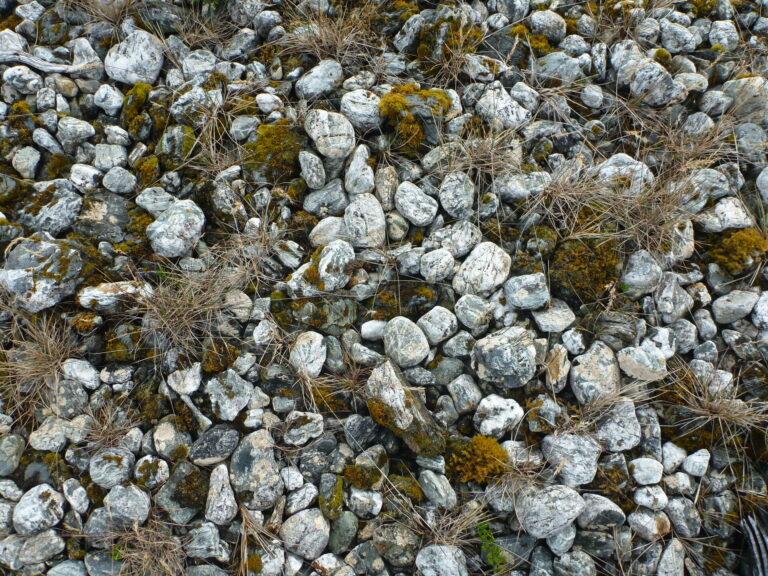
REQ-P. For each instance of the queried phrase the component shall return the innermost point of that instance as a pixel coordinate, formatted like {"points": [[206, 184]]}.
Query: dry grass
{"points": [[337, 394], [729, 415], [38, 345], [253, 540], [109, 425], [149, 550], [113, 12], [345, 34]]}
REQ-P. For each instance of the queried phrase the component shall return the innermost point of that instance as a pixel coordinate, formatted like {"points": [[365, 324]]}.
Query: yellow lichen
{"points": [[738, 251], [398, 110]]}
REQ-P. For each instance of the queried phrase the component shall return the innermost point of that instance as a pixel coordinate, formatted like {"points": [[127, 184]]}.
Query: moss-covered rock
{"points": [[582, 272]]}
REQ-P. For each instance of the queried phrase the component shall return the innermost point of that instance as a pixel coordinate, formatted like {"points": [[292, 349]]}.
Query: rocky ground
{"points": [[382, 287]]}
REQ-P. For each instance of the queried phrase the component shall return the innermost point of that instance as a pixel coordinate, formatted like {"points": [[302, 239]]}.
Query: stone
{"points": [[405, 342], [574, 456], [186, 381], [646, 363], [555, 318], [619, 429], [359, 178], [507, 356], [646, 470], [320, 80], [221, 506], [332, 133], [496, 105], [696, 464], [308, 354], [119, 180], [127, 505], [734, 306], [229, 394], [414, 205], [457, 195], [176, 231], [600, 513], [361, 107], [138, 58], [214, 445], [111, 466], [306, 533], [527, 292], [40, 508], [365, 222], [438, 324], [301, 427], [496, 416], [650, 525], [253, 468], [485, 269], [544, 512], [595, 374]]}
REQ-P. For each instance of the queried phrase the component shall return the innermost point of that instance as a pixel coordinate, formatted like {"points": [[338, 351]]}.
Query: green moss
{"points": [[254, 563], [332, 507], [10, 22], [404, 108], [146, 471], [121, 343], [479, 459], [663, 57], [148, 171], [217, 355], [581, 272], [404, 298], [58, 166], [739, 251], [539, 44], [360, 477], [192, 489], [702, 8], [275, 153], [459, 39], [407, 486], [23, 122], [134, 102]]}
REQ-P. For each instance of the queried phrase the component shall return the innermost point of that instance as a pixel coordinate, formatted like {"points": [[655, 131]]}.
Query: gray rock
{"points": [[414, 205], [559, 66], [40, 508], [221, 505], [441, 560], [320, 81], [555, 318], [40, 271], [111, 466], [485, 269], [641, 275], [127, 505], [544, 512], [646, 470], [228, 394], [654, 85], [138, 58], [11, 449], [405, 342], [576, 563], [676, 38], [595, 374], [437, 266], [600, 513], [684, 516], [574, 456], [23, 79], [25, 161], [496, 416], [473, 311], [253, 468], [332, 133], [549, 24], [496, 105], [109, 99], [214, 445], [650, 525], [507, 356], [457, 195], [397, 544], [734, 306], [438, 325], [365, 222], [359, 178], [204, 542], [17, 551], [312, 170], [301, 427], [619, 429], [308, 354], [330, 199], [361, 107], [750, 98], [527, 292], [696, 464], [672, 561], [306, 533], [301, 499], [646, 363], [119, 180], [151, 471], [186, 381], [176, 231]]}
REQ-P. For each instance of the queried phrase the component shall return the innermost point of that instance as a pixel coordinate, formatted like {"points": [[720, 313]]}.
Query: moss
{"points": [[275, 153], [477, 460], [581, 272], [121, 343], [403, 109], [75, 549], [702, 8], [301, 225], [10, 22], [519, 31], [216, 80], [23, 122], [459, 39], [148, 171], [540, 44], [404, 298], [739, 251], [217, 355], [361, 477], [407, 486], [613, 483], [134, 102], [85, 322], [663, 57], [58, 166], [192, 489], [332, 507], [254, 563], [146, 471]]}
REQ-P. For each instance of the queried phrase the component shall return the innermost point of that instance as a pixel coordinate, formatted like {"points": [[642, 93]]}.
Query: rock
{"points": [[457, 195], [544, 512], [734, 306], [438, 325], [361, 107], [221, 505], [650, 525], [214, 445], [18, 551], [308, 354], [109, 99], [555, 318], [253, 468], [111, 466], [11, 449], [684, 516], [654, 85], [646, 363], [176, 231], [228, 394], [138, 58], [600, 513], [312, 170], [392, 405], [646, 470], [359, 178], [696, 464], [672, 562], [437, 489], [186, 381], [414, 205], [25, 161], [595, 374], [40, 271], [306, 533], [405, 342], [619, 429], [441, 560], [496, 105], [127, 505], [496, 416], [365, 222], [573, 455], [320, 81], [301, 427], [40, 508], [437, 266], [641, 275], [527, 292], [507, 356], [204, 542], [485, 269], [119, 180], [332, 133], [575, 563]]}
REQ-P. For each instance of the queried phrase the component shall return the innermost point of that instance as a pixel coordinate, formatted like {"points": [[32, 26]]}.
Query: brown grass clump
{"points": [[253, 540], [149, 550], [344, 34], [37, 347], [109, 425]]}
